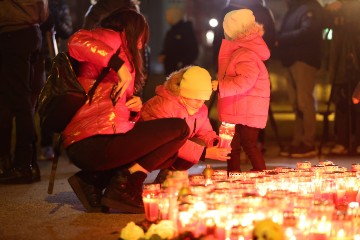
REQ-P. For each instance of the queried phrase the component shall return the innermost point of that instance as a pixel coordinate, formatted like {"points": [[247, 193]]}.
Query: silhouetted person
{"points": [[299, 44], [56, 30], [344, 72], [20, 44], [180, 47]]}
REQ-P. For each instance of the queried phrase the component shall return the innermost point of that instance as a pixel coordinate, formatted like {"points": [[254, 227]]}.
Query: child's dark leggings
{"points": [[245, 138]]}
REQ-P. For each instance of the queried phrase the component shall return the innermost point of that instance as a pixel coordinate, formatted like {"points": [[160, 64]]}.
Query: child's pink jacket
{"points": [[244, 85]]}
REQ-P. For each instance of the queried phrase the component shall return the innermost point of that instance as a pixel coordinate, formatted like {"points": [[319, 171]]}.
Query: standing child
{"points": [[244, 85]]}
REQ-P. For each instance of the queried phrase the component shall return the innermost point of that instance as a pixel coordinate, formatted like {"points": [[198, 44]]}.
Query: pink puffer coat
{"points": [[94, 49], [167, 105], [244, 85]]}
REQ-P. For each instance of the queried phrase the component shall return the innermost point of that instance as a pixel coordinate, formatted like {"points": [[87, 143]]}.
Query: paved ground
{"points": [[29, 212]]}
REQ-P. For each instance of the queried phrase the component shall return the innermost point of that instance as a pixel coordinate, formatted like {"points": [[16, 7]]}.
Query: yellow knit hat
{"points": [[196, 84]]}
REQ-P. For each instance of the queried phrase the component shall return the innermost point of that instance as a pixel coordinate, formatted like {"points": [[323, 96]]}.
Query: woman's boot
{"points": [[124, 192], [88, 187]]}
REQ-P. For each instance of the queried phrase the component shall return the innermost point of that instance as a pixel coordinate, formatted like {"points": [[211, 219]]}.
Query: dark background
{"points": [[197, 11]]}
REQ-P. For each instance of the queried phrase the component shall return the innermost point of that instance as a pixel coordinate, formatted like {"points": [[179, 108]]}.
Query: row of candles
{"points": [[309, 202]]}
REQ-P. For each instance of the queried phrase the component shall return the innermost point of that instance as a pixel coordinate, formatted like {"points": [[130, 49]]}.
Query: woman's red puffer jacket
{"points": [[94, 50]]}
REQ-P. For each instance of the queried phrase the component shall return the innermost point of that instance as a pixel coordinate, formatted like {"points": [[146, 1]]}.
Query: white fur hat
{"points": [[196, 84], [237, 21]]}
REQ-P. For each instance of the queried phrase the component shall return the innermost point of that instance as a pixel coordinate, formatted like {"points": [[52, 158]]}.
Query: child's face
{"points": [[192, 105]]}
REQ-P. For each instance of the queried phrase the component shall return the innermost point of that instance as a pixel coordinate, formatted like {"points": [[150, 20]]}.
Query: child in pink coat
{"points": [[244, 85], [183, 96]]}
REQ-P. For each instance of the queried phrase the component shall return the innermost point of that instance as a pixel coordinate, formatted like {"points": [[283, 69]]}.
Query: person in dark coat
{"points": [[180, 47], [55, 30], [344, 73], [20, 45], [299, 44]]}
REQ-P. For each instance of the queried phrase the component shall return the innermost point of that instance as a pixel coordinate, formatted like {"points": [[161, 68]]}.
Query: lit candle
{"points": [[225, 140], [321, 229], [150, 198], [151, 207], [341, 235]]}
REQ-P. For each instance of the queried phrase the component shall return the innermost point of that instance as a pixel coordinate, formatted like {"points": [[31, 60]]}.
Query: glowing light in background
{"points": [[327, 33], [209, 37], [213, 22]]}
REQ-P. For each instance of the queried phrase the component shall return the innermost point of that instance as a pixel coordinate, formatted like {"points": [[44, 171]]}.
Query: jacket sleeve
{"points": [[246, 74], [204, 130], [309, 22], [88, 46], [191, 151]]}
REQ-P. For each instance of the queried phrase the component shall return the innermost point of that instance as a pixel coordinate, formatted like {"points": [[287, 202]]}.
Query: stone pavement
{"points": [[29, 212]]}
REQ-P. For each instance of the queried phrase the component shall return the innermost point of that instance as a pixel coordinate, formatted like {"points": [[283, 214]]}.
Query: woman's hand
{"points": [[134, 104], [217, 153], [215, 84], [124, 79]]}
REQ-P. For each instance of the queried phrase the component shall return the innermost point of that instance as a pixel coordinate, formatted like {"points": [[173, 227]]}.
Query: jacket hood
{"points": [[172, 98], [165, 93], [253, 42], [176, 104]]}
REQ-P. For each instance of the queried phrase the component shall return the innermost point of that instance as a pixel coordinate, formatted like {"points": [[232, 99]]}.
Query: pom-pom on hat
{"points": [[238, 21], [196, 84]]}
